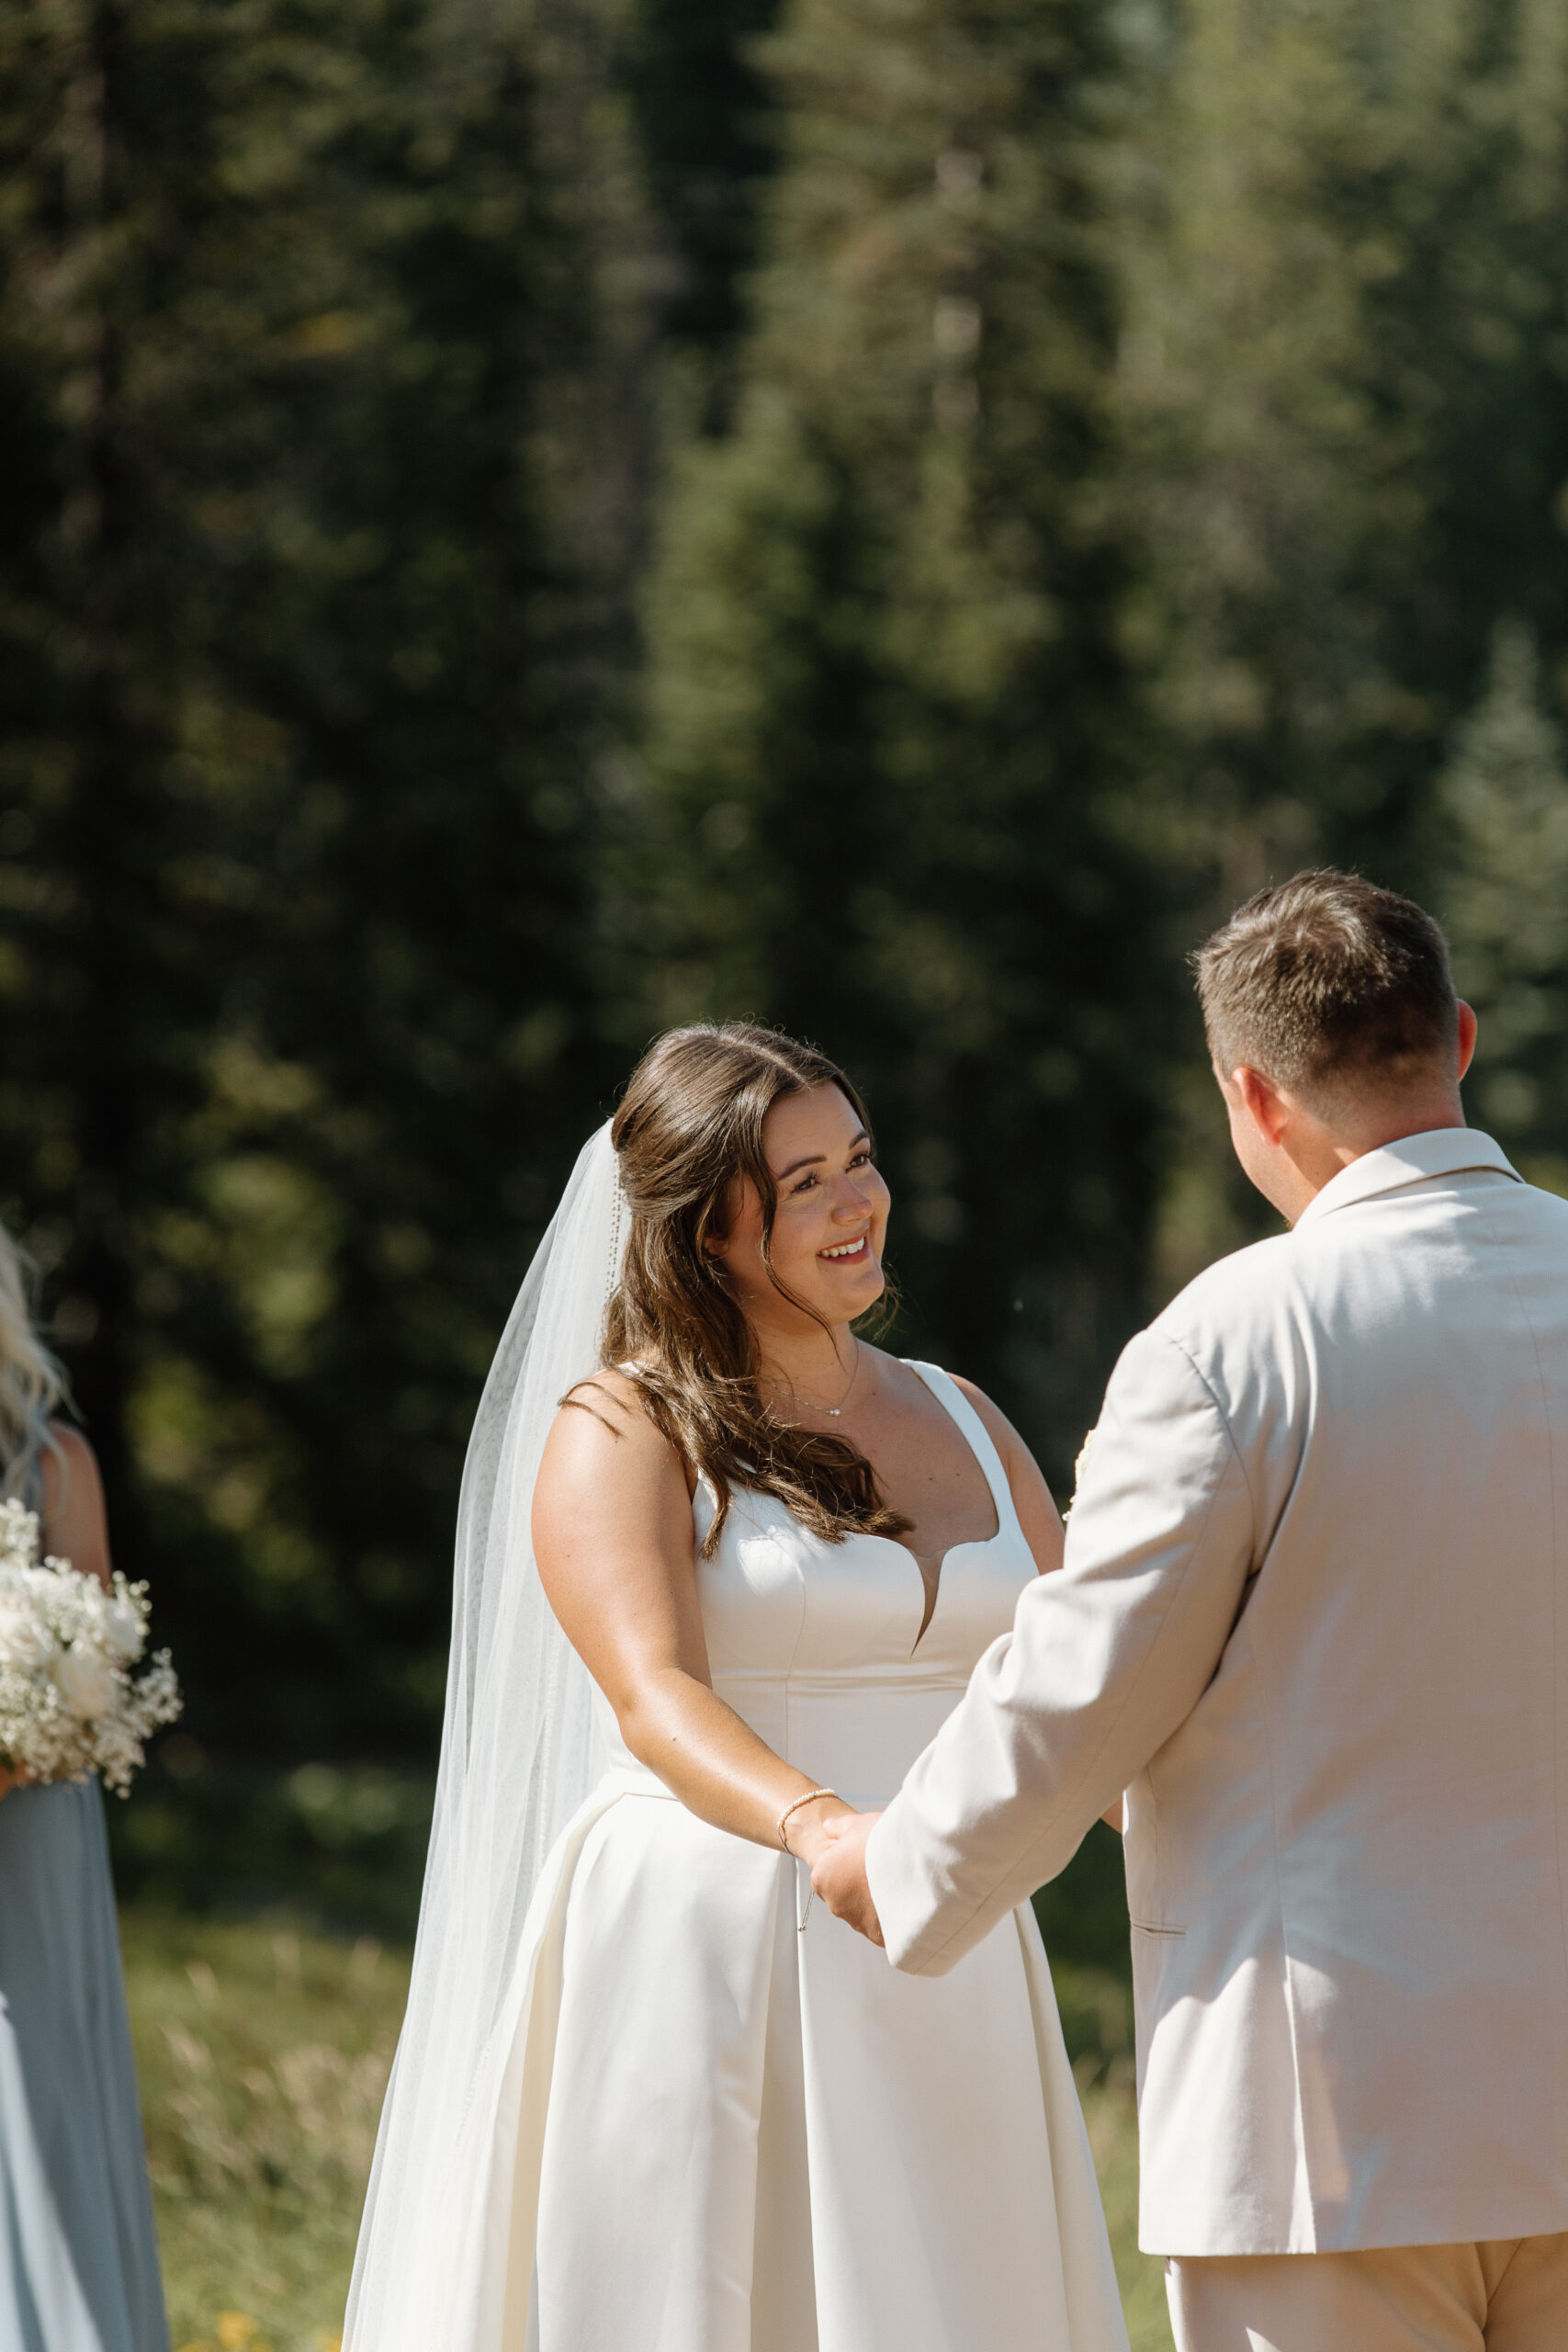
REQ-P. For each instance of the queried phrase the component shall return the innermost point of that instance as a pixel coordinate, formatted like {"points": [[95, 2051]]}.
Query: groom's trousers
{"points": [[1505, 2295]]}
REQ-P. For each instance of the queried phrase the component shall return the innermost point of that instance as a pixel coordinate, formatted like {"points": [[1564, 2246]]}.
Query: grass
{"points": [[262, 2055], [1112, 2118], [263, 2051]]}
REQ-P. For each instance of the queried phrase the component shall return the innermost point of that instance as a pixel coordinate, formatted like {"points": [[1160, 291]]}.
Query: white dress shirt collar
{"points": [[1410, 1159]]}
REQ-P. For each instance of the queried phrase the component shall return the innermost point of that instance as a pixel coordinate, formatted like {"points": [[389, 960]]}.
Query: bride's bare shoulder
{"points": [[1000, 1429], [603, 1431], [903, 1382], [610, 1396], [895, 1377]]}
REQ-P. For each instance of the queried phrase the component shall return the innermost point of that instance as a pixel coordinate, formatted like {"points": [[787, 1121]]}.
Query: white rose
{"points": [[122, 1631], [85, 1683], [23, 1641]]}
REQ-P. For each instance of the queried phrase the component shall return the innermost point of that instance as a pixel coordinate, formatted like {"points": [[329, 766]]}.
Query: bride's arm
{"points": [[1037, 1512], [613, 1539]]}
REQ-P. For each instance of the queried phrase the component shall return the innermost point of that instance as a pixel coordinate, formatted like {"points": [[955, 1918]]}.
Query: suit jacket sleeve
{"points": [[1106, 1659]]}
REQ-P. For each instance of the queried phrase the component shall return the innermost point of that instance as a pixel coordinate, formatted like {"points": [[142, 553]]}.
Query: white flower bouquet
{"points": [[68, 1703]]}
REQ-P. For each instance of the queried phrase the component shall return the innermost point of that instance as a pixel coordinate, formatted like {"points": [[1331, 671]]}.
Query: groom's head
{"points": [[1333, 1027]]}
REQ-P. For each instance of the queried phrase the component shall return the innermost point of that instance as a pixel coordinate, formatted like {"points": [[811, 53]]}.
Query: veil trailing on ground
{"points": [[520, 1751]]}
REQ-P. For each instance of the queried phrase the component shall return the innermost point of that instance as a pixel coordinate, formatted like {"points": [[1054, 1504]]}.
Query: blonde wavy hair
{"points": [[32, 1383]]}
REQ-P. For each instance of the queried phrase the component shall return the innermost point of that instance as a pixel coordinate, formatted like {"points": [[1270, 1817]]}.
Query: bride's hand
{"points": [[839, 1873], [810, 1826]]}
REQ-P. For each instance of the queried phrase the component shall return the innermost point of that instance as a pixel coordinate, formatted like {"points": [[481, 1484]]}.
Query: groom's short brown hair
{"points": [[1326, 977]]}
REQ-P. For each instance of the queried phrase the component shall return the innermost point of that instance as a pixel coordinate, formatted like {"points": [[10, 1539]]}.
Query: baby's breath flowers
{"points": [[69, 1703]]}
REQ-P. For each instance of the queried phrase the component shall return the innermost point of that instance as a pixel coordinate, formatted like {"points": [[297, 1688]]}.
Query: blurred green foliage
{"points": [[342, 1845], [525, 522], [304, 634], [262, 2052], [887, 727], [1503, 813]]}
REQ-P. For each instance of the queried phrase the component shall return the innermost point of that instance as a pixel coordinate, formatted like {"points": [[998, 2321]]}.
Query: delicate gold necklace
{"points": [[832, 1411]]}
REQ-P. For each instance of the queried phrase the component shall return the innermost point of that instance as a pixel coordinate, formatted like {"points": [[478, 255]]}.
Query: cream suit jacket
{"points": [[1314, 1618]]}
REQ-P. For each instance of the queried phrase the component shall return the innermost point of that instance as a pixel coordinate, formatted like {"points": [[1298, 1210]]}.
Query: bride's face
{"points": [[830, 1222]]}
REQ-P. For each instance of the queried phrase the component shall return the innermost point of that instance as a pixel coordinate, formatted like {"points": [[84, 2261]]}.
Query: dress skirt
{"points": [[694, 2128], [78, 2256], [743, 2138]]}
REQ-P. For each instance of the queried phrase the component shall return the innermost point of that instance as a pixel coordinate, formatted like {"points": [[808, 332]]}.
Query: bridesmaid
{"points": [[78, 2258]]}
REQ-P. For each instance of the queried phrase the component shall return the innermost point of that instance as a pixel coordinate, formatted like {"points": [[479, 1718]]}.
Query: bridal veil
{"points": [[520, 1751]]}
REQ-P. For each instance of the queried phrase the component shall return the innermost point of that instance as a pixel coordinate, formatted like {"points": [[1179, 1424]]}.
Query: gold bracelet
{"points": [[809, 1798]]}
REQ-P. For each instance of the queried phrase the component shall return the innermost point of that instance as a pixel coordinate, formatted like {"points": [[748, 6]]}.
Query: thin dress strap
{"points": [[947, 1392]]}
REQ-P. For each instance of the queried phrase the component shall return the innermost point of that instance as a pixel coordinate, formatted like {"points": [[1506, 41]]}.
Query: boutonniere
{"points": [[1078, 1469]]}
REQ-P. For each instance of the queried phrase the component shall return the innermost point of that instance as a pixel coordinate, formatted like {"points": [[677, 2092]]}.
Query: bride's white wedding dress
{"points": [[717, 2133]]}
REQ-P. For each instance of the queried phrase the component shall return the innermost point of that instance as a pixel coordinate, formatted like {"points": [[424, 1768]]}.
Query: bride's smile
{"points": [[821, 1267]]}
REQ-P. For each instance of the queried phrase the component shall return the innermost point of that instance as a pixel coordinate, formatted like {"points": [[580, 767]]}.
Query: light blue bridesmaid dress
{"points": [[78, 2258]]}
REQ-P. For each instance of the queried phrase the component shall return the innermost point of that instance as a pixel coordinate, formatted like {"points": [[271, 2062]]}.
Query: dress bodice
{"points": [[817, 1645]]}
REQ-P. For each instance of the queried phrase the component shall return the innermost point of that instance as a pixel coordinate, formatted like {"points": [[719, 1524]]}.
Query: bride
{"points": [[722, 1568]]}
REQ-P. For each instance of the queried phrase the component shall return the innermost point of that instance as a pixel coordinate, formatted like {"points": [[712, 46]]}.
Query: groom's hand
{"points": [[839, 1874]]}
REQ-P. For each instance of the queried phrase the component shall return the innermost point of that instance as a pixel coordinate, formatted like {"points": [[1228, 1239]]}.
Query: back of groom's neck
{"points": [[1321, 1149], [1379, 1124]]}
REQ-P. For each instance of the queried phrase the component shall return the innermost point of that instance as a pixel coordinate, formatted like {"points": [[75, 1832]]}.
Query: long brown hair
{"points": [[689, 1130]]}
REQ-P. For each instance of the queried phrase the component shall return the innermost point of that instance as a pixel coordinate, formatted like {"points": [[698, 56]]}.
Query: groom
{"points": [[1314, 1620]]}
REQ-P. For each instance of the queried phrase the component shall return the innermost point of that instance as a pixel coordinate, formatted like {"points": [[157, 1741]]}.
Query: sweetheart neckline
{"points": [[869, 1536], [971, 1543]]}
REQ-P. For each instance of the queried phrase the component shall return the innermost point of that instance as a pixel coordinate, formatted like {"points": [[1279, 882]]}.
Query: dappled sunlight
{"points": [[262, 2052]]}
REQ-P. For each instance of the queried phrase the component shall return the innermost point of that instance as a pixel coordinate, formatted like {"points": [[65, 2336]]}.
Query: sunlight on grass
{"points": [[1112, 2118], [262, 2053], [263, 2056]]}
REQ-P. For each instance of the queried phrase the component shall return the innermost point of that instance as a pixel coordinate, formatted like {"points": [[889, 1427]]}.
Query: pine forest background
{"points": [[523, 522]]}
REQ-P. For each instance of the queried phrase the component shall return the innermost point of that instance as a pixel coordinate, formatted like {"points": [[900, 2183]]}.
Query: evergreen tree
{"points": [[113, 897], [1503, 807], [311, 624], [1344, 370], [1340, 388], [888, 734], [1112, 435], [700, 111]]}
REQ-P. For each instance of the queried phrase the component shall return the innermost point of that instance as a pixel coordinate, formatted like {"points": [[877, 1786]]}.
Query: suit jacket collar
{"points": [[1440, 1151]]}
